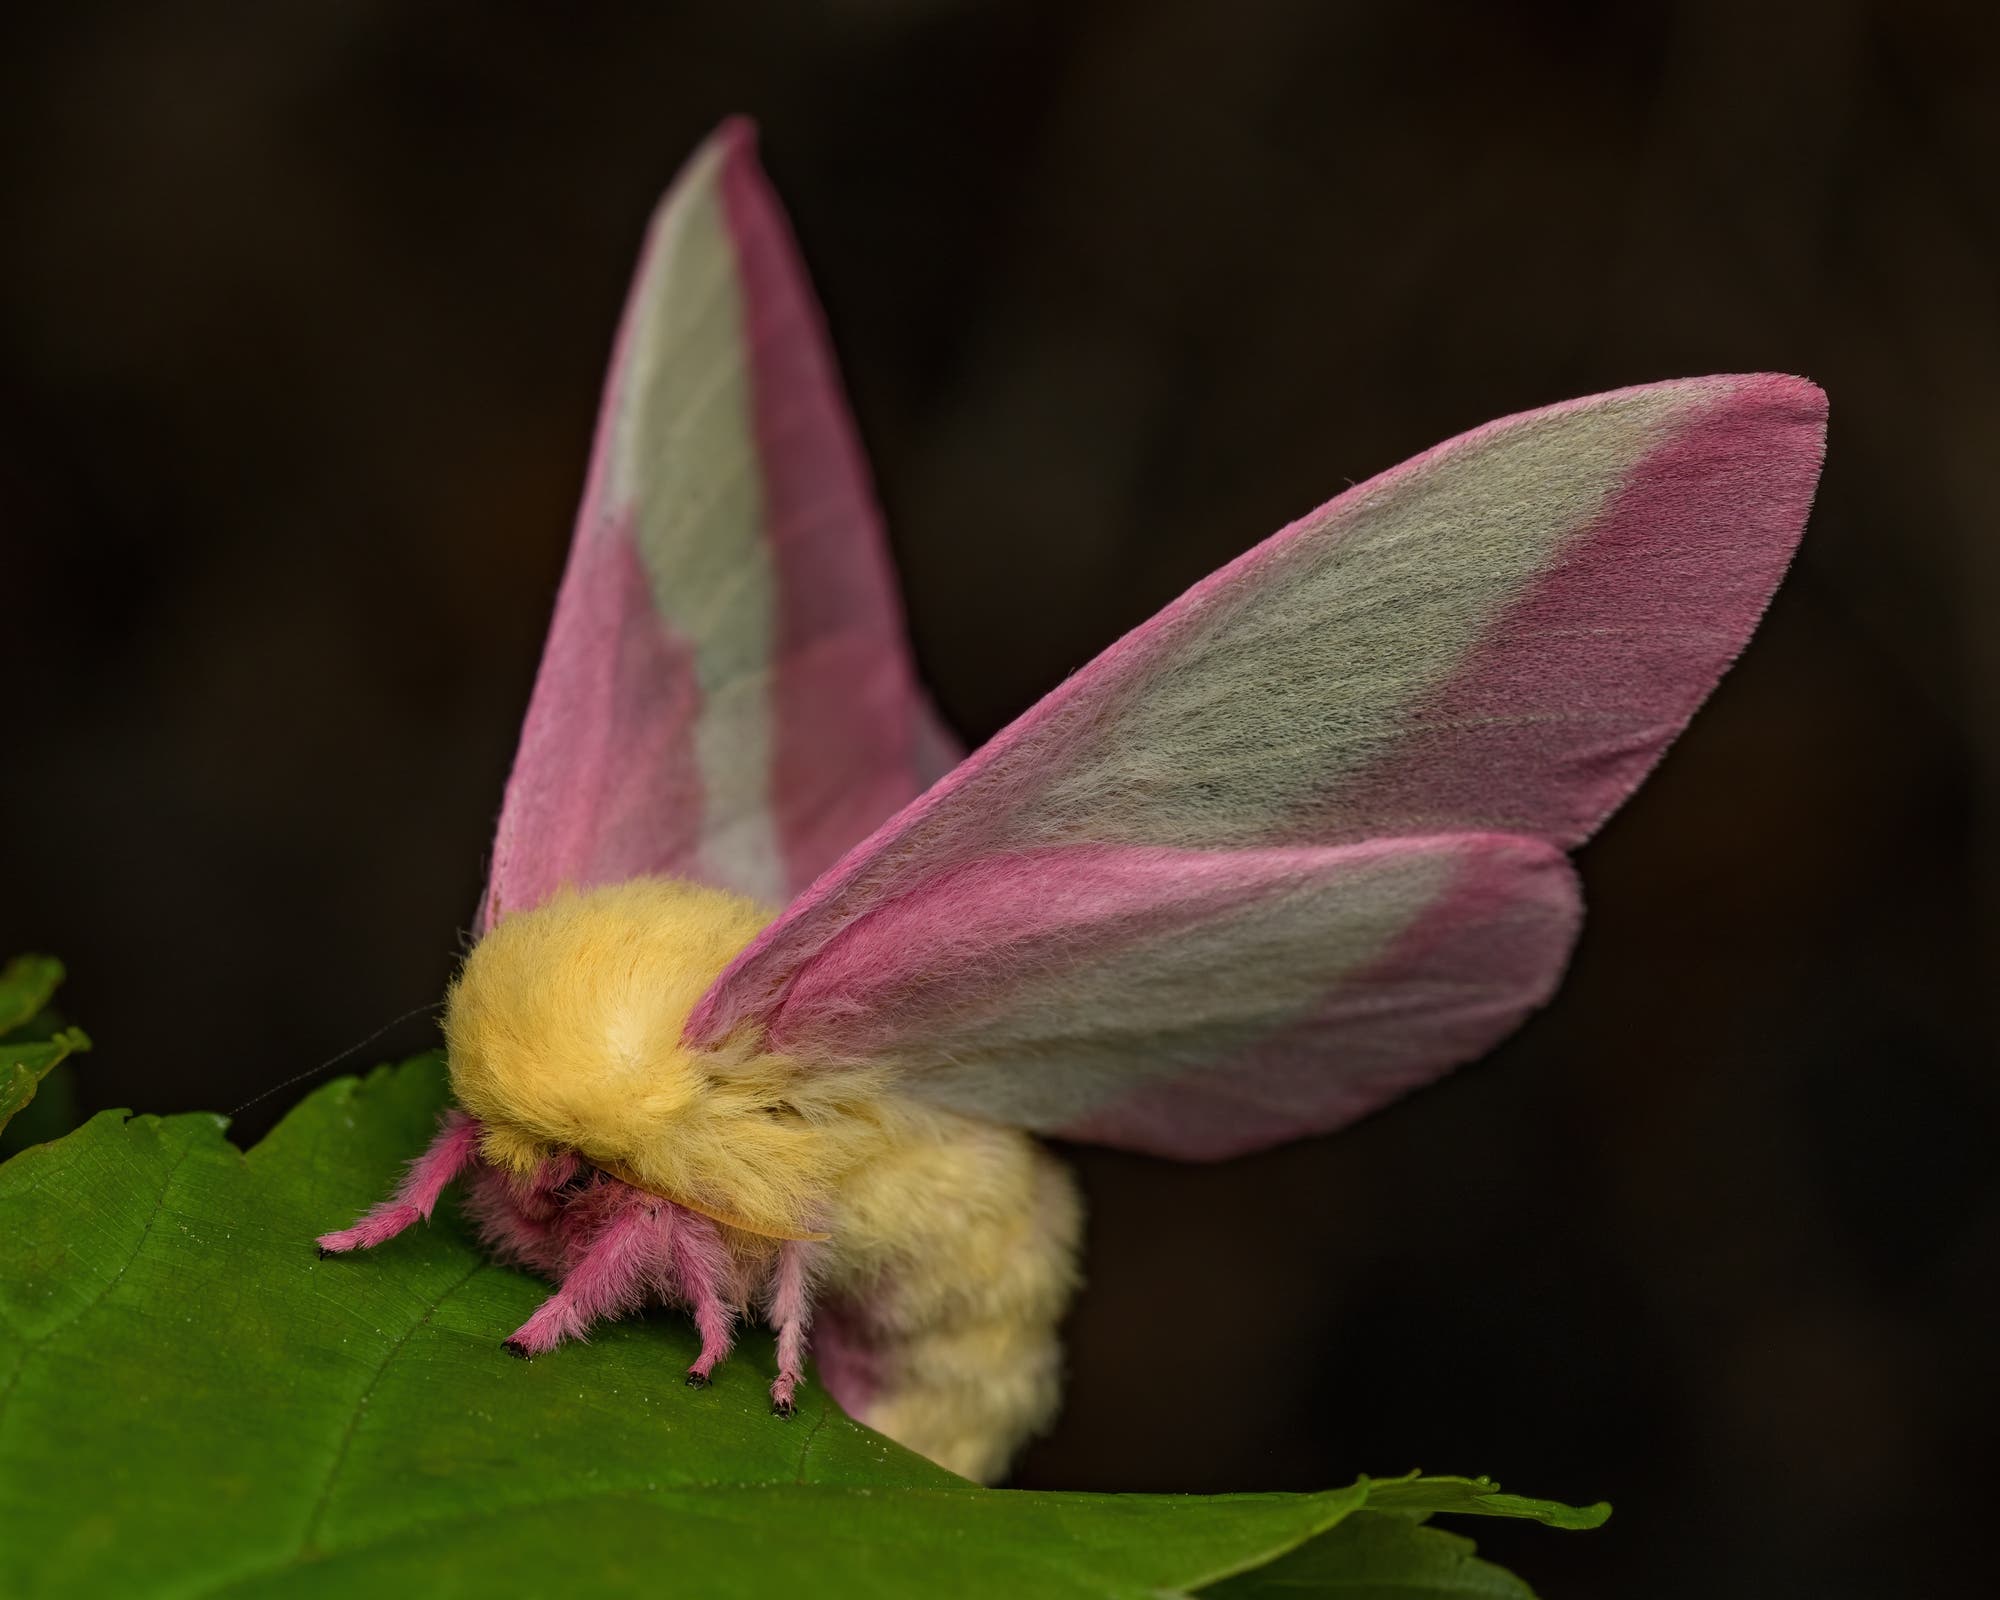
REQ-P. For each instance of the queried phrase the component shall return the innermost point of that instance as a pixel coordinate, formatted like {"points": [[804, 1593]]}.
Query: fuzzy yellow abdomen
{"points": [[953, 1262]]}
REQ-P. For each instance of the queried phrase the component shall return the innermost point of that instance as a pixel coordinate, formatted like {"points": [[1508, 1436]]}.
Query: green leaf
{"points": [[32, 1042], [1372, 1556], [27, 984], [23, 1065], [1477, 1497], [190, 1400], [49, 1115], [193, 1403], [1382, 1551]]}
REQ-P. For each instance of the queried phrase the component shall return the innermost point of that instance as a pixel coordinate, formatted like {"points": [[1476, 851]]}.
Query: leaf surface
{"points": [[193, 1403], [32, 1042], [1374, 1556], [27, 984]]}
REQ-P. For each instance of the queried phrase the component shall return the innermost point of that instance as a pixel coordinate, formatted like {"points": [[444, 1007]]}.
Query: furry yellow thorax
{"points": [[564, 1031]]}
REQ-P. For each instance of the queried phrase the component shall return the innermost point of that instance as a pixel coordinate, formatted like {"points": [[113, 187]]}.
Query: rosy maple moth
{"points": [[773, 990]]}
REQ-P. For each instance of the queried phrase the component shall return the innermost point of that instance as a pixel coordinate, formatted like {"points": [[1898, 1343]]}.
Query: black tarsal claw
{"points": [[516, 1349], [784, 1409], [699, 1380], [324, 1252]]}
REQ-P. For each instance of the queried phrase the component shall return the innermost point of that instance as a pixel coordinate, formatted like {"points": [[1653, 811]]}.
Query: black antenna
{"points": [[334, 1061]]}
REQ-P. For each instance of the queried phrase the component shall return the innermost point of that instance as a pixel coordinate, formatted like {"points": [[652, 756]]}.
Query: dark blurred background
{"points": [[303, 311]]}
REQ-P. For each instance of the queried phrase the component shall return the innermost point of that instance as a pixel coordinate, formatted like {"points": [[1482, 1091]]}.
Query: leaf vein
{"points": [[310, 1540], [27, 1350]]}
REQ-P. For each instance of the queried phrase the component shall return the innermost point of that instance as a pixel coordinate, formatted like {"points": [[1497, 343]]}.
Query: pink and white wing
{"points": [[1193, 1003], [1297, 843], [726, 694]]}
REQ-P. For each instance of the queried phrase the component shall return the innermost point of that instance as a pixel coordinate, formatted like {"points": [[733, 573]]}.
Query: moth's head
{"points": [[564, 1032]]}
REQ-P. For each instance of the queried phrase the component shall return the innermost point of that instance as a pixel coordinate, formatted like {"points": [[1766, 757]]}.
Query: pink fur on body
{"points": [[609, 1246]]}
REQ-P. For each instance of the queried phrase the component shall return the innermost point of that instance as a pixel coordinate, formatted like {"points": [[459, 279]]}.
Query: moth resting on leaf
{"points": [[772, 990]]}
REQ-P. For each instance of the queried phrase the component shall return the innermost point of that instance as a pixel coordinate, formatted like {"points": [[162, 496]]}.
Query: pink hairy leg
{"points": [[791, 1316], [693, 1263], [608, 1279], [454, 1149]]}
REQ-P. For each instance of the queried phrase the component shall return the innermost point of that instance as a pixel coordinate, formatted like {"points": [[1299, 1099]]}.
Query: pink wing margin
{"points": [[726, 693], [1467, 663]]}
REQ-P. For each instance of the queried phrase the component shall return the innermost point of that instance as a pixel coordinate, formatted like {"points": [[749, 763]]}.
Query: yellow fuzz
{"points": [[564, 1030], [953, 1241]]}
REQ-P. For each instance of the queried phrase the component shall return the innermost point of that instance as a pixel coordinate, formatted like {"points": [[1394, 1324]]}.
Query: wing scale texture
{"points": [[1296, 844], [725, 694]]}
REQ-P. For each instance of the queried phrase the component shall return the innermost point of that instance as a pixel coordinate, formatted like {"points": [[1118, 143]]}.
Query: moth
{"points": [[772, 992]]}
